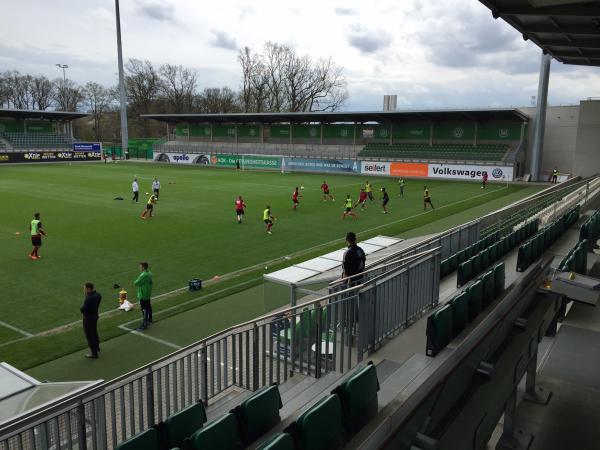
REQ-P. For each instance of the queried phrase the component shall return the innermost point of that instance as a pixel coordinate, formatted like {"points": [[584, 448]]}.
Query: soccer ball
{"points": [[301, 187], [147, 193]]}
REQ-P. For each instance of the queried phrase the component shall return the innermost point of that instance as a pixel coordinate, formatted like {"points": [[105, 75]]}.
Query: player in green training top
{"points": [[37, 231], [348, 208], [268, 218]]}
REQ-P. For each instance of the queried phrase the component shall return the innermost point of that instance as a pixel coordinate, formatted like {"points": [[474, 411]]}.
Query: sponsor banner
{"points": [[320, 165], [375, 168], [35, 157], [181, 158], [470, 171], [87, 147], [246, 161], [402, 169]]}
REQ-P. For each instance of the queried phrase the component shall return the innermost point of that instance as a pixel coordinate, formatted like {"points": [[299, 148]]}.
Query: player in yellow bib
{"points": [[369, 190], [426, 198], [268, 218], [348, 208], [37, 231], [149, 207]]}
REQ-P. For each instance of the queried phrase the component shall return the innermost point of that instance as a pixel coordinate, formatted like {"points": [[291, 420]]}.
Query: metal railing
{"points": [[332, 333]]}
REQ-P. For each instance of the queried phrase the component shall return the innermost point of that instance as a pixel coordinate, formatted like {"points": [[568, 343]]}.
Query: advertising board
{"points": [[470, 171], [44, 157], [320, 165], [181, 158], [246, 161]]}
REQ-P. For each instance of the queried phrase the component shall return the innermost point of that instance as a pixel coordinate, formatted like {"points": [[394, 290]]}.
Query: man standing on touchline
{"points": [[354, 260], [156, 188], [143, 284], [89, 310], [136, 190]]}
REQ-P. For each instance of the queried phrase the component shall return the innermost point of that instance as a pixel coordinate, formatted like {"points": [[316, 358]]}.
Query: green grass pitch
{"points": [[194, 232]]}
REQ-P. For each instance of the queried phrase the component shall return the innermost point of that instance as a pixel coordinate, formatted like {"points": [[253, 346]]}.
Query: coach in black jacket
{"points": [[354, 260], [89, 310]]}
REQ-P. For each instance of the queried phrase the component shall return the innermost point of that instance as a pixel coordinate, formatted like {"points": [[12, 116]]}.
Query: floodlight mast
{"points": [[122, 96]]}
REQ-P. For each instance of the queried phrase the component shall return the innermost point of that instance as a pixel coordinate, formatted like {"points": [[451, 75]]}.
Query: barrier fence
{"points": [[331, 333]]}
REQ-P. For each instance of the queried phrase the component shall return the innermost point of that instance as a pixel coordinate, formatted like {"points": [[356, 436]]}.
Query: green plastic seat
{"points": [[439, 329], [464, 273], [475, 299], [499, 279], [445, 267], [221, 434], [184, 423], [281, 441], [489, 290], [476, 262], [259, 413], [460, 312], [524, 257], [484, 259], [146, 440], [320, 427], [358, 395]]}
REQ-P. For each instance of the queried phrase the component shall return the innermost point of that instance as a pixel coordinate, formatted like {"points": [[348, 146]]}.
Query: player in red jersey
{"points": [[362, 198], [240, 206], [295, 196], [326, 193]]}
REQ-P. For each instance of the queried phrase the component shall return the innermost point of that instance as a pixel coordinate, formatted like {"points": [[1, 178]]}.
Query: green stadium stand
{"points": [[221, 434], [34, 141], [358, 395], [320, 427], [259, 413], [281, 441], [439, 329], [146, 440], [183, 424]]}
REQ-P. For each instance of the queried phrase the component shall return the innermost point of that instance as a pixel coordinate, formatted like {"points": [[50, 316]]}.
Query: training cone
{"points": [[216, 277], [17, 233]]}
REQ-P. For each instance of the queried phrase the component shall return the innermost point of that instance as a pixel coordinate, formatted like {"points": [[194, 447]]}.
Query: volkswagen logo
{"points": [[497, 173]]}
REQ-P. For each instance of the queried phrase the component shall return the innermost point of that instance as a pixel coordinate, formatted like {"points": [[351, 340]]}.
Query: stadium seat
{"points": [[476, 265], [460, 312], [489, 291], [445, 267], [499, 279], [453, 263], [146, 440], [281, 441], [475, 298], [221, 434], [439, 330], [464, 273], [484, 259], [524, 257], [184, 423], [320, 427], [259, 413], [492, 254], [358, 395], [460, 257]]}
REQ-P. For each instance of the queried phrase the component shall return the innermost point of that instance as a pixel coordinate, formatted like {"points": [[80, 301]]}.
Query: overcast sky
{"points": [[431, 53]]}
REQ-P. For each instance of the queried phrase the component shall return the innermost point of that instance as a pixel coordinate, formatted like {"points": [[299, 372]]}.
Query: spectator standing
{"points": [[354, 260], [143, 283], [89, 311], [136, 190]]}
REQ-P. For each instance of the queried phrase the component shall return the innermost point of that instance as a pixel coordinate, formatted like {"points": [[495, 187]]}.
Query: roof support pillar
{"points": [[475, 131], [391, 133], [540, 117]]}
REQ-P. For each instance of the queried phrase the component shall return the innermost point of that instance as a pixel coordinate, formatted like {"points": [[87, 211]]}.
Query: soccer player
{"points": [[401, 183], [149, 207], [136, 190], [484, 179], [240, 205], [295, 195], [348, 208], [384, 200], [268, 218], [554, 179], [369, 190], [362, 199], [37, 231], [426, 198], [156, 188], [326, 193]]}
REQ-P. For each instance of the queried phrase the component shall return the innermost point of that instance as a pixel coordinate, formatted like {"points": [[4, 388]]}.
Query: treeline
{"points": [[277, 79]]}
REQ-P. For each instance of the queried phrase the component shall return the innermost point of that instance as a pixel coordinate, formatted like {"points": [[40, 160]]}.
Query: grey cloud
{"points": [[161, 11], [369, 41], [221, 39], [341, 11]]}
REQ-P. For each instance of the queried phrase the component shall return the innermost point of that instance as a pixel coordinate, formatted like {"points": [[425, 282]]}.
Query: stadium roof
{"points": [[344, 116], [44, 115], [568, 30]]}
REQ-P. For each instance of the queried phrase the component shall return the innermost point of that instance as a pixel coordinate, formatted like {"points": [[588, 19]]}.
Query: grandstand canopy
{"points": [[568, 30], [40, 115], [344, 116]]}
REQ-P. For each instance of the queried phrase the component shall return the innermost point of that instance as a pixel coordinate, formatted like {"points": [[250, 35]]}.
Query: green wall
{"points": [[454, 130], [412, 130]]}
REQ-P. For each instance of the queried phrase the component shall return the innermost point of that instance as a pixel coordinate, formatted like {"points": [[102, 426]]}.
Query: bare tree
{"points": [[178, 85], [67, 95], [19, 90], [142, 82], [217, 101], [97, 100], [255, 79], [4, 90], [42, 92]]}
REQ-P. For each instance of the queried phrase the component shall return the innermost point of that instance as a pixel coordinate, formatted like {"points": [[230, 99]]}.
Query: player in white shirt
{"points": [[136, 190], [156, 187]]}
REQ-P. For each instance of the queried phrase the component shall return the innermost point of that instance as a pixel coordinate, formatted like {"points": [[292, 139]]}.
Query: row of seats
{"points": [[576, 259], [450, 264], [436, 151], [590, 230], [234, 430], [451, 319], [335, 418], [450, 147], [544, 238], [37, 140], [476, 264]]}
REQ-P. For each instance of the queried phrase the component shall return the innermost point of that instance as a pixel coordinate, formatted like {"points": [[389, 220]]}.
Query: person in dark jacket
{"points": [[354, 260], [89, 310]]}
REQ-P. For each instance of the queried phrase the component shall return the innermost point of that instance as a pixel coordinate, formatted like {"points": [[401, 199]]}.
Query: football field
{"points": [[194, 234]]}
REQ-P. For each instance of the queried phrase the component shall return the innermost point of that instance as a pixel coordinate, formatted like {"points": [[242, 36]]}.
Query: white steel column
{"points": [[122, 96], [540, 118]]}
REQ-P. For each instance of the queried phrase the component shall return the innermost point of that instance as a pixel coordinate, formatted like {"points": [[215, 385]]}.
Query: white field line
{"points": [[250, 268], [18, 330], [152, 338]]}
